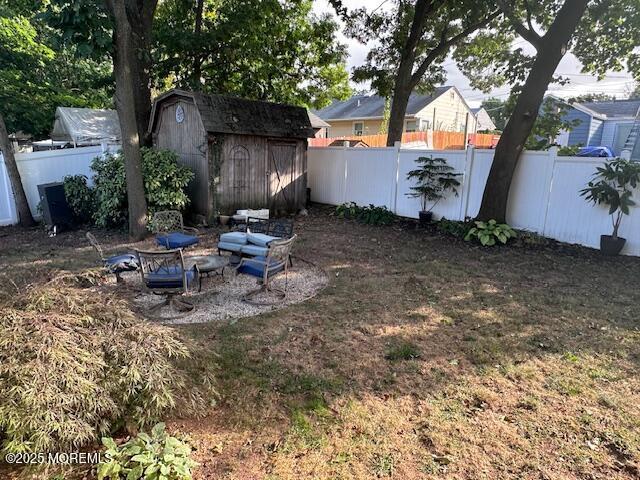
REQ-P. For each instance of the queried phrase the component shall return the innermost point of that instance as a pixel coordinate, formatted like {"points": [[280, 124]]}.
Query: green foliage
{"points": [[549, 124], [613, 185], [268, 50], [497, 110], [165, 181], [434, 178], [370, 214], [39, 72], [569, 150], [86, 366], [445, 24], [80, 197], [150, 457], [454, 228], [402, 351], [491, 232]]}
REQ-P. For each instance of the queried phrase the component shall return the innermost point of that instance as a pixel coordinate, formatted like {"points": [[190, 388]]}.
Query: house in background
{"points": [[444, 110], [483, 120], [614, 124], [319, 126]]}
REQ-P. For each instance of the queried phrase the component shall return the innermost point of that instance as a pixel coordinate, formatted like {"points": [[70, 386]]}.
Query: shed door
{"points": [[281, 175]]}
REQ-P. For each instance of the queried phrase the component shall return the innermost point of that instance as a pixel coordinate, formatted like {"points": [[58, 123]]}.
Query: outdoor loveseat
{"points": [[253, 237]]}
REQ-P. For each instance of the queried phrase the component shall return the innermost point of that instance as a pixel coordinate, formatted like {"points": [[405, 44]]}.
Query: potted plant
{"points": [[434, 178], [613, 185]]}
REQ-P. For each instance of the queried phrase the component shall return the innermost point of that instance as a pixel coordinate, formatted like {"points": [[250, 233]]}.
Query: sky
{"points": [[616, 83]]}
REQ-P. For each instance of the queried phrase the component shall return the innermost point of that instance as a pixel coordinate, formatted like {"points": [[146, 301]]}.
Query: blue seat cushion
{"points": [[260, 239], [257, 270], [254, 250], [125, 262], [230, 246], [168, 277], [234, 237], [176, 240]]}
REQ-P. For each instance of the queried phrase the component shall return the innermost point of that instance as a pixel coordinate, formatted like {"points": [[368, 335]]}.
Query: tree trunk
{"points": [[399, 103], [24, 213], [127, 75], [553, 47], [197, 58]]}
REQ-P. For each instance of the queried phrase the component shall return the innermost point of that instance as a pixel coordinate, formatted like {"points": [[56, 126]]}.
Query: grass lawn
{"points": [[425, 357]]}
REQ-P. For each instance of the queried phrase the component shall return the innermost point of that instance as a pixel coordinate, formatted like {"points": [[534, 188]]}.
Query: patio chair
{"points": [[171, 232], [116, 264], [255, 236], [265, 268], [163, 273]]}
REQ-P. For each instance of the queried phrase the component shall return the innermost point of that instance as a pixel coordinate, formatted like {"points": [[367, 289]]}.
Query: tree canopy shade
{"points": [[601, 33], [39, 73], [274, 50], [412, 40]]}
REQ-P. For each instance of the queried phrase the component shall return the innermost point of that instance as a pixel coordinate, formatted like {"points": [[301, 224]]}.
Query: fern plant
{"points": [[491, 232], [434, 178]]}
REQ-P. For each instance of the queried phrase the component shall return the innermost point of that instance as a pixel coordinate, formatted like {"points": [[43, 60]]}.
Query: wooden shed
{"points": [[244, 153]]}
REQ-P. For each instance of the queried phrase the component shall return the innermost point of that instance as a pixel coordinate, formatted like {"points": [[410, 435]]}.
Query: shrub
{"points": [[165, 181], [433, 177], [80, 197], [76, 363], [488, 232], [454, 228], [613, 185], [370, 215], [152, 457]]}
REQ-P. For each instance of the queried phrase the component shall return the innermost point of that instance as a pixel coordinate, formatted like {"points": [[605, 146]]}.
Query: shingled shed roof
{"points": [[227, 114]]}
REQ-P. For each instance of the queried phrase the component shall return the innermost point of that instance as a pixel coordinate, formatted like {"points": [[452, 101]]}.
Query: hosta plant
{"points": [[491, 232], [151, 457]]}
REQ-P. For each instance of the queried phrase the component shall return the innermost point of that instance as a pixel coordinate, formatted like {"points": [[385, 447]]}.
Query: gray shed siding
{"points": [[189, 140]]}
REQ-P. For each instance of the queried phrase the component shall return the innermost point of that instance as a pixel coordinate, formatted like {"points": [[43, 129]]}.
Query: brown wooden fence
{"points": [[441, 140]]}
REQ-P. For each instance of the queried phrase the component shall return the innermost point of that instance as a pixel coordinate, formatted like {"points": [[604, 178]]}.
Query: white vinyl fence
{"points": [[43, 167], [544, 194]]}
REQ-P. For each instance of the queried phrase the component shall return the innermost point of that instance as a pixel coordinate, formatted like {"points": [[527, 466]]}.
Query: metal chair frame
{"points": [[151, 262], [98, 248], [280, 251]]}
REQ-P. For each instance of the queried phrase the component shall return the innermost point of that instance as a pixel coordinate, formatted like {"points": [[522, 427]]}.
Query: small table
{"points": [[207, 264]]}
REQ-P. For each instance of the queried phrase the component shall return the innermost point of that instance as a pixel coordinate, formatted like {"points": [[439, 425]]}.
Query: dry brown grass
{"points": [[526, 367]]}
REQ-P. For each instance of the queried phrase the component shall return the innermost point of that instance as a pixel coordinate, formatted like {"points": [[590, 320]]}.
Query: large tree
{"points": [[273, 50], [121, 29], [411, 41], [602, 34]]}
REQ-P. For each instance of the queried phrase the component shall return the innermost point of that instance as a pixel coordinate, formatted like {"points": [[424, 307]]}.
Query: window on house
{"points": [[411, 126], [358, 128]]}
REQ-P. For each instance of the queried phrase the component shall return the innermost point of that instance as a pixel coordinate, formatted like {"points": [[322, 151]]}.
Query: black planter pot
{"points": [[611, 246], [425, 217]]}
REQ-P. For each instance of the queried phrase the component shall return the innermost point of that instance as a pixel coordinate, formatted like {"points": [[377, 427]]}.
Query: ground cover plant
{"points": [[526, 364]]}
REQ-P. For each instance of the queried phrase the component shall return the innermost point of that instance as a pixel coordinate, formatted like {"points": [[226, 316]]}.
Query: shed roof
{"points": [[86, 126], [316, 121], [228, 114], [372, 106]]}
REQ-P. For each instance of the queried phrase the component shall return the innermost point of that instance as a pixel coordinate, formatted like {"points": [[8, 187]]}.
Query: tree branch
{"points": [[528, 34], [445, 44]]}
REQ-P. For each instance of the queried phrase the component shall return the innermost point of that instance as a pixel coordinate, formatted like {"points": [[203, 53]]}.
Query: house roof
{"points": [[614, 108], [86, 125], [372, 106], [228, 114], [316, 121]]}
